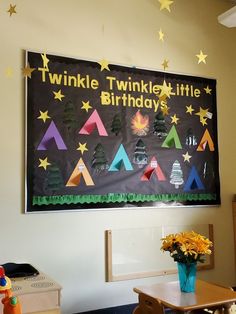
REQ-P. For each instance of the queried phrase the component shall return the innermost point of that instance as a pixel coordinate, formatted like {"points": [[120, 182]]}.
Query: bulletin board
{"points": [[101, 135], [135, 253]]}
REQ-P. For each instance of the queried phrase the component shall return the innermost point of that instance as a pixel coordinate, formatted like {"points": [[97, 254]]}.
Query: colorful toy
{"points": [[10, 303]]}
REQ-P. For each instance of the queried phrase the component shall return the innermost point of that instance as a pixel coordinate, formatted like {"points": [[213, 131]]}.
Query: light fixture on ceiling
{"points": [[228, 18]]}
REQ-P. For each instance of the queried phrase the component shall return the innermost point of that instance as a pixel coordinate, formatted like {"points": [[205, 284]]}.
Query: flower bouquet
{"points": [[187, 248]]}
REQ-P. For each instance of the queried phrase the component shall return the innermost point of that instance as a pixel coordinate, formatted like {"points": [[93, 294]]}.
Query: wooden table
{"points": [[168, 294]]}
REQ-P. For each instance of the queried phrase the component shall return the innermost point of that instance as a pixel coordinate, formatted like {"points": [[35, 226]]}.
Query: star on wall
{"points": [[104, 65], [189, 109], [86, 106], [165, 64], [82, 148], [165, 90], [27, 71], [187, 157], [43, 115], [165, 110], [202, 113], [208, 90], [174, 119], [161, 35], [58, 95], [203, 121], [12, 9], [44, 163], [9, 72], [165, 4], [201, 57], [45, 60]]}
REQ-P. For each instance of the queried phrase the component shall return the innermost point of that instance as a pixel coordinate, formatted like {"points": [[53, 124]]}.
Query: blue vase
{"points": [[187, 276]]}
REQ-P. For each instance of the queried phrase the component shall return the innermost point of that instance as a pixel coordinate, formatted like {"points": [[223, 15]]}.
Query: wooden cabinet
{"points": [[38, 294]]}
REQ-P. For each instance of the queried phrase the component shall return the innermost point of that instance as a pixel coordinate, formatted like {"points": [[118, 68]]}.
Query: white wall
{"points": [[70, 246]]}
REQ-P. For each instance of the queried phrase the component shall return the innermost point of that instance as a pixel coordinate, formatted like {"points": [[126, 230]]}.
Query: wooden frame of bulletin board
{"points": [[135, 253]]}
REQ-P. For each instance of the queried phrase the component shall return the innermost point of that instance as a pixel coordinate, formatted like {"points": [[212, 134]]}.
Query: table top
{"points": [[206, 295]]}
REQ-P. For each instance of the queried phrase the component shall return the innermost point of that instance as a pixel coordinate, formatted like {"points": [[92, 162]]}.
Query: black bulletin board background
{"points": [[118, 184]]}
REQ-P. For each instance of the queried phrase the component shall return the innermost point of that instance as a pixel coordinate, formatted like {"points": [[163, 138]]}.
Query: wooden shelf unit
{"points": [[37, 294]]}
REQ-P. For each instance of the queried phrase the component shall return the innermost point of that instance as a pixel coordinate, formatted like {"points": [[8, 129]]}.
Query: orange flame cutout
{"points": [[140, 124]]}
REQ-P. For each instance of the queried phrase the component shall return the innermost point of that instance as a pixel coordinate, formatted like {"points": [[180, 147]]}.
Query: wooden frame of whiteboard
{"points": [[108, 262]]}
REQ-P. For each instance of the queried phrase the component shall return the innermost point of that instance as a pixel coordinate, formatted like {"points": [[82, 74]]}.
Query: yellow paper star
{"points": [[12, 9], [208, 90], [104, 65], [165, 4], [165, 110], [189, 109], [187, 157], [202, 113], [203, 121], [174, 119], [201, 57], [44, 163], [161, 35], [58, 95], [86, 106], [165, 64], [43, 115], [9, 72], [45, 60], [165, 90], [82, 148], [27, 71]]}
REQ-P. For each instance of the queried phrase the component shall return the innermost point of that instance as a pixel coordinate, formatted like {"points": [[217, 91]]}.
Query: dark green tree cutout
{"points": [[159, 125], [190, 139], [99, 161], [176, 176], [54, 180], [116, 124], [140, 155], [69, 116]]}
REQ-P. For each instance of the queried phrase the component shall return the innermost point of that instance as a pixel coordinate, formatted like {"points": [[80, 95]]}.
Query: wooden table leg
{"points": [[227, 308], [137, 310], [149, 305]]}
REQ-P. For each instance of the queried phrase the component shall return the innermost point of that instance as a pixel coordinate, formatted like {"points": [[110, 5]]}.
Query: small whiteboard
{"points": [[135, 253]]}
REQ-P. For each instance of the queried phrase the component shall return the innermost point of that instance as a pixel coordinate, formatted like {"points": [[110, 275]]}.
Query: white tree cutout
{"points": [[176, 175]]}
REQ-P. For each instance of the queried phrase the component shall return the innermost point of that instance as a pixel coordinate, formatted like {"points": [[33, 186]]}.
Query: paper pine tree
{"points": [[190, 139], [69, 116], [116, 124], [140, 156], [54, 180], [99, 162], [159, 125], [176, 175]]}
